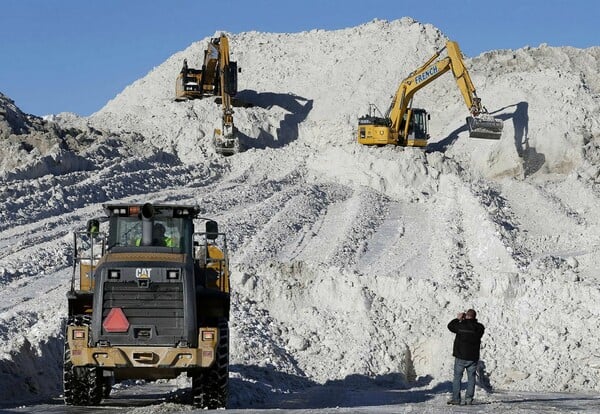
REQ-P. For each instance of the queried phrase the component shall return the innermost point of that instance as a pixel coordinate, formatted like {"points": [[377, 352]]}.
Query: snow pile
{"points": [[348, 261]]}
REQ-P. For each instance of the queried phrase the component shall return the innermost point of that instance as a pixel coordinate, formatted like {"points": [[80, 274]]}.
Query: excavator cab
{"points": [[376, 130], [416, 134]]}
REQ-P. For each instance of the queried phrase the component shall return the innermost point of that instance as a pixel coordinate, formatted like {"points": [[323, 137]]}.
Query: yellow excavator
{"points": [[407, 126], [218, 77], [225, 139]]}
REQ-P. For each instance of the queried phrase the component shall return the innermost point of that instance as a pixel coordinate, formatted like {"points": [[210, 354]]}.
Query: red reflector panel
{"points": [[115, 321]]}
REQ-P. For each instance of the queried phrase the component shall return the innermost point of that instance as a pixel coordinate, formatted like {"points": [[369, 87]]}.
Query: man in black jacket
{"points": [[466, 352]]}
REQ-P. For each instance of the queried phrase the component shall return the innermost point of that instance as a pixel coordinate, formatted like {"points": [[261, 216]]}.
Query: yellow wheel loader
{"points": [[149, 299], [407, 126]]}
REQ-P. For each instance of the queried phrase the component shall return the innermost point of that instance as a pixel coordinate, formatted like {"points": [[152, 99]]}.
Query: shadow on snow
{"points": [[297, 107], [267, 388], [532, 160]]}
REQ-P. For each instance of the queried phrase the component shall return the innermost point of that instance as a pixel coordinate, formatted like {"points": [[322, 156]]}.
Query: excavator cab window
{"points": [[419, 124]]}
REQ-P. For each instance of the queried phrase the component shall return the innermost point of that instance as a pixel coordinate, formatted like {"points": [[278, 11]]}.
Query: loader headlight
{"points": [[208, 335], [78, 334], [181, 212], [120, 211], [172, 274], [114, 274]]}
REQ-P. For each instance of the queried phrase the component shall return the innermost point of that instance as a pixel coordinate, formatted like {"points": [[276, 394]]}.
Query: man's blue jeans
{"points": [[459, 366]]}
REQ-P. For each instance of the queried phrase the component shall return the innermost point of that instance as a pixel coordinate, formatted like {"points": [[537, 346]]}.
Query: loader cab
{"points": [[211, 258], [145, 228]]}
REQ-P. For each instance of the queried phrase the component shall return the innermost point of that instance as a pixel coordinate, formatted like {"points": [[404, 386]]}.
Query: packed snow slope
{"points": [[348, 261]]}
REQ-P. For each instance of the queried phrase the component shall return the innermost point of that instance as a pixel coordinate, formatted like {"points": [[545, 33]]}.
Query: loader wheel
{"points": [[81, 385], [70, 383], [106, 386], [210, 387]]}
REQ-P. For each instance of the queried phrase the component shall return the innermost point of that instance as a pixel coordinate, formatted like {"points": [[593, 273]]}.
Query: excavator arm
{"points": [[417, 80], [481, 124], [210, 68], [463, 79]]}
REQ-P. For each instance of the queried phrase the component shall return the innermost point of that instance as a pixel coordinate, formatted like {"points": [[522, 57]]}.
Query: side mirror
{"points": [[93, 227], [212, 230]]}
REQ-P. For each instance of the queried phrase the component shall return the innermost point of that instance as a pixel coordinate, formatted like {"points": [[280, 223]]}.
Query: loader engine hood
{"points": [[144, 299]]}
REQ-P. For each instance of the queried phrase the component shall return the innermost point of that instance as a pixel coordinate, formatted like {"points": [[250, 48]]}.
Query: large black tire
{"points": [[106, 386], [70, 384], [81, 385], [210, 387]]}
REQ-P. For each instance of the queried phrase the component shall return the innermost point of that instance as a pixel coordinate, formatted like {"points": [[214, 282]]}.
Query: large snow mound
{"points": [[348, 261]]}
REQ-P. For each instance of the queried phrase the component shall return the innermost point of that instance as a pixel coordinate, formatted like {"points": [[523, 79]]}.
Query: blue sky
{"points": [[75, 55]]}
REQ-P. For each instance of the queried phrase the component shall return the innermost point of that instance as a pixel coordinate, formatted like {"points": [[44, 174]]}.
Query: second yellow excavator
{"points": [[218, 77], [407, 126], [225, 139]]}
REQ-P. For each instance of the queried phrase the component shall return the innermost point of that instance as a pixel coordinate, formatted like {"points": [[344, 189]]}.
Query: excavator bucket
{"points": [[484, 126], [226, 143]]}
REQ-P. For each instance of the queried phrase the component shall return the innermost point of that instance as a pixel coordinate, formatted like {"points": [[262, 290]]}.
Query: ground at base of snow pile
{"points": [[160, 398]]}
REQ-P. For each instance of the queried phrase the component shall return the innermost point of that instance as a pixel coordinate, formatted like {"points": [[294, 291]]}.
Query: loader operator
{"points": [[159, 238], [466, 353]]}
